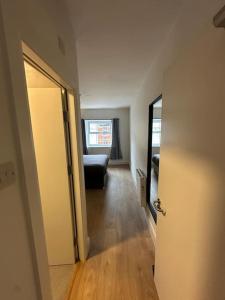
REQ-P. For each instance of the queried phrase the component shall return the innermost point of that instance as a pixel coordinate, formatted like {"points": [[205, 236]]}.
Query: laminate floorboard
{"points": [[119, 266]]}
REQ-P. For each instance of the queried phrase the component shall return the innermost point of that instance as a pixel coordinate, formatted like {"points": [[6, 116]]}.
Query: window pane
{"points": [[104, 139], [104, 127], [99, 133], [93, 127], [93, 138]]}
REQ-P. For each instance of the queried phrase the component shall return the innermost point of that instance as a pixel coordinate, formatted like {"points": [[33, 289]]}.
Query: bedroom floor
{"points": [[121, 250]]}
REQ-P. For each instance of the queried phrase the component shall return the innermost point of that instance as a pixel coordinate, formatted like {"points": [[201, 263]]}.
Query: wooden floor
{"points": [[121, 255]]}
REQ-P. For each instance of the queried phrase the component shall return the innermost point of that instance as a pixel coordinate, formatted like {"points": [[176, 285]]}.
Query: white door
{"points": [[50, 149], [190, 246], [190, 235], [174, 264]]}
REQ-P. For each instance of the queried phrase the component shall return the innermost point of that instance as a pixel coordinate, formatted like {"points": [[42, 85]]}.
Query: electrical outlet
{"points": [[7, 174]]}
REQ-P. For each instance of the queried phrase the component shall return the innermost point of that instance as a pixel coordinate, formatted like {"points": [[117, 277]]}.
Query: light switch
{"points": [[7, 174]]}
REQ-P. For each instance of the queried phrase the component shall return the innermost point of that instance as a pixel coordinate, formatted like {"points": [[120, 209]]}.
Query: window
{"points": [[156, 132], [98, 133]]}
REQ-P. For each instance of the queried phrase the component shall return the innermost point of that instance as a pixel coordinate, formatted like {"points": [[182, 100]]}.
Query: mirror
{"points": [[154, 141]]}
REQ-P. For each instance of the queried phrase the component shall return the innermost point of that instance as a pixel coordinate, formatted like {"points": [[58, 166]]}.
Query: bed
{"points": [[155, 163], [95, 170]]}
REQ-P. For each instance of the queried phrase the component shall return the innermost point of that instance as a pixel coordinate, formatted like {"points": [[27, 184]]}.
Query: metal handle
{"points": [[157, 206]]}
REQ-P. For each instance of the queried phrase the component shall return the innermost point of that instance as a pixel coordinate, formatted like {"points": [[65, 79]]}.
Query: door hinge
{"points": [[66, 116], [70, 170]]}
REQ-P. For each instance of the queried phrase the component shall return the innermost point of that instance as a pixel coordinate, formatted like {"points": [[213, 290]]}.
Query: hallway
{"points": [[121, 251]]}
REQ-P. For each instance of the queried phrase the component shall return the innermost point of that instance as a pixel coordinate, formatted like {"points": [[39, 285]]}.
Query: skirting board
{"points": [[118, 163], [151, 224]]}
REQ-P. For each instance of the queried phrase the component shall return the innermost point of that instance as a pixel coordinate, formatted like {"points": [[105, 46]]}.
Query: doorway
{"points": [[48, 105], [154, 141]]}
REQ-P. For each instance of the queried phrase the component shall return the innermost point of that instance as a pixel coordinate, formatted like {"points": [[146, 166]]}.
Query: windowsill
{"points": [[155, 146], [92, 147]]}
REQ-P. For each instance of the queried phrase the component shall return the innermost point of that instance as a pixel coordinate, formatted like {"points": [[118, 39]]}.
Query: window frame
{"points": [[88, 132]]}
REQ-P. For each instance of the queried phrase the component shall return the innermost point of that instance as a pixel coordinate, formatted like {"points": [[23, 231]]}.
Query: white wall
{"points": [[17, 278], [38, 23], [124, 115], [181, 36], [192, 161]]}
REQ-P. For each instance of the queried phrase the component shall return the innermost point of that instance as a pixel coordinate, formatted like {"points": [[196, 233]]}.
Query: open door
{"points": [[189, 254], [51, 136]]}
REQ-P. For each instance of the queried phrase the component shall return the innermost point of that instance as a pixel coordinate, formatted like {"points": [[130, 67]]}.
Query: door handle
{"points": [[157, 206]]}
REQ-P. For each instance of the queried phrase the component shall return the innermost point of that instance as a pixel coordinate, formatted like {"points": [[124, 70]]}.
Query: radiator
{"points": [[141, 187]]}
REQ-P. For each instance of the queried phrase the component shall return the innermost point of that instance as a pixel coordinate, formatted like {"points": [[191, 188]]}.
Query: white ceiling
{"points": [[117, 41]]}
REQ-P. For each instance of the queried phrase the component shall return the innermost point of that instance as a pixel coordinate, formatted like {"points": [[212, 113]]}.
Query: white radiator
{"points": [[141, 187]]}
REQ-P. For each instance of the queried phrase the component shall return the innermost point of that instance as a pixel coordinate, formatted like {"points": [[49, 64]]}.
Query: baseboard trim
{"points": [[118, 163]]}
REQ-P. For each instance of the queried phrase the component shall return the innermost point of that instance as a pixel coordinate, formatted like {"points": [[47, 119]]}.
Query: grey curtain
{"points": [[116, 149], [85, 149]]}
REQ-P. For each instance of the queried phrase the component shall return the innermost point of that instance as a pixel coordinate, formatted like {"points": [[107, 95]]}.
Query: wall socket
{"points": [[7, 174]]}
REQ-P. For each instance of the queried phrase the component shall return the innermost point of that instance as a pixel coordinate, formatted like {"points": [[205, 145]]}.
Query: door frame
{"points": [[32, 203], [68, 149], [149, 158], [70, 167]]}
